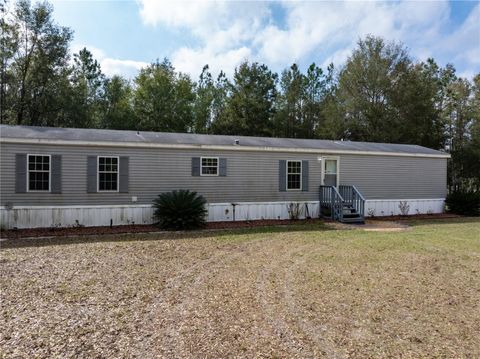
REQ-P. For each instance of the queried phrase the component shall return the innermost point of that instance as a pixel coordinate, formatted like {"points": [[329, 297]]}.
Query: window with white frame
{"points": [[330, 167], [107, 174], [38, 173], [209, 166], [294, 175]]}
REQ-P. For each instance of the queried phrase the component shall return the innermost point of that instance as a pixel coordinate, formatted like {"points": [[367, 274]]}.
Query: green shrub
{"points": [[464, 202], [180, 210]]}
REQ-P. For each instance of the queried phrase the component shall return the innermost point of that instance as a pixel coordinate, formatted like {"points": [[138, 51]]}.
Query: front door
{"points": [[330, 172]]}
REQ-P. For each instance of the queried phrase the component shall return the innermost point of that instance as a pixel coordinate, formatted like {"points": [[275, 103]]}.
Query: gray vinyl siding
{"points": [[386, 177], [251, 176]]}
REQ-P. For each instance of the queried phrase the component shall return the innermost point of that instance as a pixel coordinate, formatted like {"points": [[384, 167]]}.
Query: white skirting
{"points": [[71, 216], [88, 216], [74, 216], [391, 207], [245, 211]]}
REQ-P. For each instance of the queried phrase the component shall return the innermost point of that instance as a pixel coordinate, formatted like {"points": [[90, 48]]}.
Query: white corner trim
{"points": [[40, 141]]}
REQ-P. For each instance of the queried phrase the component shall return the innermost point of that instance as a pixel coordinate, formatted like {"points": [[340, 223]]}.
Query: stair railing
{"points": [[346, 193], [358, 201], [331, 198], [354, 198]]}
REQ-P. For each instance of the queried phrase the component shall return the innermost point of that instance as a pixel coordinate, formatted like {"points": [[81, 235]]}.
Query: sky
{"points": [[128, 35]]}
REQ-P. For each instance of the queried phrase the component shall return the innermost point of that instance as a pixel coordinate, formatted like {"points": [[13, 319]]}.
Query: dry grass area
{"points": [[305, 292]]}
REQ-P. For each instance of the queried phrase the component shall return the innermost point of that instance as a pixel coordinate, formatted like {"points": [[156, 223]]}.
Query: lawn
{"points": [[303, 291]]}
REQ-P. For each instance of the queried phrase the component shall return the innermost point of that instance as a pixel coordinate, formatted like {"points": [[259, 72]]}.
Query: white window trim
{"points": [[325, 158], [98, 174], [49, 173], [301, 176], [209, 175]]}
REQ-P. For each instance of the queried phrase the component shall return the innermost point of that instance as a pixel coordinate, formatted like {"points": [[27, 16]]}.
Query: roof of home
{"points": [[72, 136]]}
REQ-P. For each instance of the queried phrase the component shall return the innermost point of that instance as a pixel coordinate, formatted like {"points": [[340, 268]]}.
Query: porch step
{"points": [[357, 219], [350, 215], [349, 210]]}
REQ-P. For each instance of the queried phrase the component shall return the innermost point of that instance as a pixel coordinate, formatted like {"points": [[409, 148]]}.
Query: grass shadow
{"points": [[155, 236], [426, 222]]}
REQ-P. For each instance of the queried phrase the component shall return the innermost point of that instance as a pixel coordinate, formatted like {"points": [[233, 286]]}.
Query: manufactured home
{"points": [[90, 177]]}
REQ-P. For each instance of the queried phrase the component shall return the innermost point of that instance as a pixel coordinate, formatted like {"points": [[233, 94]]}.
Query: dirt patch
{"points": [[432, 216], [396, 223], [385, 226], [383, 229], [372, 226]]}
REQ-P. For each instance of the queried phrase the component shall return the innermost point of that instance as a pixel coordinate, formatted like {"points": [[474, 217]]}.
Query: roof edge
{"points": [[214, 147]]}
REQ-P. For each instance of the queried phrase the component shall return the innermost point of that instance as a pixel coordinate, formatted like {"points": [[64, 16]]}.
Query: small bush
{"points": [[371, 212], [404, 208], [464, 202], [180, 210], [294, 211]]}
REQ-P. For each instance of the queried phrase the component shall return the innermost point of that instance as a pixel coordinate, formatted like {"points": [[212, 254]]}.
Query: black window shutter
{"points": [[282, 175], [223, 167], [123, 188], [20, 173], [305, 176], [195, 166], [91, 174], [56, 174]]}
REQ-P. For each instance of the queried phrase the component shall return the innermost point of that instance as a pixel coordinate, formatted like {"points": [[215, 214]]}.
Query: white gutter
{"points": [[39, 141]]}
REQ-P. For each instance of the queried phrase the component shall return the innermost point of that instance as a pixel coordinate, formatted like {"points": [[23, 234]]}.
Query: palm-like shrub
{"points": [[180, 210]]}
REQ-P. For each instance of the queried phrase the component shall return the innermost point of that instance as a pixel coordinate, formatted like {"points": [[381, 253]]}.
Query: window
{"points": [[39, 173], [294, 175], [330, 167], [108, 174], [209, 166]]}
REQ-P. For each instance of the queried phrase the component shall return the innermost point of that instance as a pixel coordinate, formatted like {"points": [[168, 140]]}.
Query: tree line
{"points": [[380, 94]]}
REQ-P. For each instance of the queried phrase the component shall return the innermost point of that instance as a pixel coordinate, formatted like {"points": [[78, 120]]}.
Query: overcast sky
{"points": [[126, 35]]}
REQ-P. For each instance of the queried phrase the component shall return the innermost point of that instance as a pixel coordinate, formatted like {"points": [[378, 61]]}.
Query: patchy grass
{"points": [[301, 292]]}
